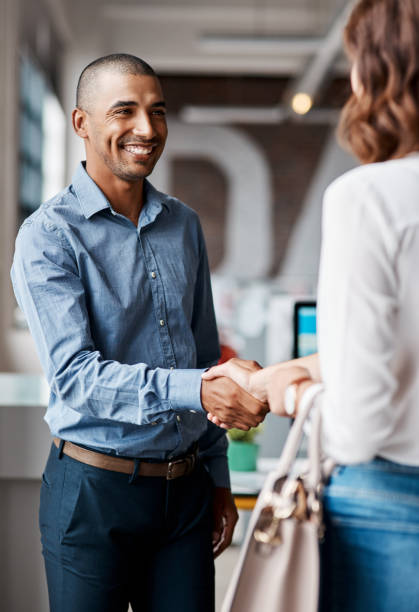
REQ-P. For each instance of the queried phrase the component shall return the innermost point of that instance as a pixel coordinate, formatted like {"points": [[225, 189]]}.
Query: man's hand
{"points": [[231, 405], [225, 519]]}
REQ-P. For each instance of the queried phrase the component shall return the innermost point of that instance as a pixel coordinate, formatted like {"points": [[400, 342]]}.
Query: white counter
{"points": [[24, 445]]}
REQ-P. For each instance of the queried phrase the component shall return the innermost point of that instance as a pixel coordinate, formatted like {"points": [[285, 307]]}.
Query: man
{"points": [[113, 279]]}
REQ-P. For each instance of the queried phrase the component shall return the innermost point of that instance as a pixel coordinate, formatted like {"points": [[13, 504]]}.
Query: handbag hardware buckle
{"points": [[316, 512], [296, 491], [270, 519], [290, 502]]}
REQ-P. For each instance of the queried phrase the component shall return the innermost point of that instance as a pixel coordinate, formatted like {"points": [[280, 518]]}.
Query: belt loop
{"points": [[195, 456], [134, 474], [61, 449]]}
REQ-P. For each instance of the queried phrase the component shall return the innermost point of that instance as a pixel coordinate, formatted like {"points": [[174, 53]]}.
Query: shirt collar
{"points": [[154, 201], [92, 199], [90, 196]]}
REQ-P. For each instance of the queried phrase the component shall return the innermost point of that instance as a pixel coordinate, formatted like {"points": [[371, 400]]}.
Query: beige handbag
{"points": [[278, 569]]}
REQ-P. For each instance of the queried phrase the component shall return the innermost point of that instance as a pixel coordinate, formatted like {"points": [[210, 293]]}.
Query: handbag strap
{"points": [[293, 442], [314, 474]]}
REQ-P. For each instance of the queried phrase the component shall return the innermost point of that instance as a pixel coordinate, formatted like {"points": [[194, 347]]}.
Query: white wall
{"points": [[301, 263], [9, 32]]}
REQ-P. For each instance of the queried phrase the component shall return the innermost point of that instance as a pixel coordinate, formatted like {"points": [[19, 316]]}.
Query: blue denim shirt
{"points": [[123, 321]]}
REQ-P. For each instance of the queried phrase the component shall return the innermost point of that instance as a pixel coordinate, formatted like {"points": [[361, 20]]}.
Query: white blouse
{"points": [[368, 313]]}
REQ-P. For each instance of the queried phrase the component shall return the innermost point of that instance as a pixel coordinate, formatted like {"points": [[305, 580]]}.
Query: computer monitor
{"points": [[305, 340]]}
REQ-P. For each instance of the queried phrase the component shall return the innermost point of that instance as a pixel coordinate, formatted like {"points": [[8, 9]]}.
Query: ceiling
{"points": [[266, 37]]}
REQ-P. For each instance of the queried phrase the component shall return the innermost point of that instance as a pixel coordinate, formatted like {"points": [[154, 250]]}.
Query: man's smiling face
{"points": [[125, 125]]}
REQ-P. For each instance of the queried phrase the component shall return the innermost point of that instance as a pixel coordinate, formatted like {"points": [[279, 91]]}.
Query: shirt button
{"points": [[178, 417], [161, 323], [153, 275]]}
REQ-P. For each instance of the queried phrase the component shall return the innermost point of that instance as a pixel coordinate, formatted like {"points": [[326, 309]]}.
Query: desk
{"points": [[23, 390], [246, 486]]}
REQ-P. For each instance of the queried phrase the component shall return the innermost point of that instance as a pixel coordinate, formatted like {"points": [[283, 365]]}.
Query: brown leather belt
{"points": [[166, 469]]}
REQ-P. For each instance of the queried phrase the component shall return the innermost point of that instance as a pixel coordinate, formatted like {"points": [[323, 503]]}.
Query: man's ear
{"points": [[79, 120]]}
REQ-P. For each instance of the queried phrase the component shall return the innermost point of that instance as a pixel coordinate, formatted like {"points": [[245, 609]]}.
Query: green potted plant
{"points": [[242, 449]]}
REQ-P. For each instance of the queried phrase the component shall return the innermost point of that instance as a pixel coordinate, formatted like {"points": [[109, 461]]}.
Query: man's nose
{"points": [[144, 126]]}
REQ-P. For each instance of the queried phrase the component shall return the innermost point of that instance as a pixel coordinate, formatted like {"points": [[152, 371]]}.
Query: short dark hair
{"points": [[382, 40], [121, 62]]}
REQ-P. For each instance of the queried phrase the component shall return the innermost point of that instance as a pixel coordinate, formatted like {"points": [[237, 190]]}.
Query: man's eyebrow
{"points": [[122, 103]]}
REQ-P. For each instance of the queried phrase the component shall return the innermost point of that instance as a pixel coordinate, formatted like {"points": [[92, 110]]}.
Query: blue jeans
{"points": [[109, 540], [370, 555]]}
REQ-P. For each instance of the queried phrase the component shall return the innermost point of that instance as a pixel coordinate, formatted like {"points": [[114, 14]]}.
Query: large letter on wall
{"points": [[248, 252]]}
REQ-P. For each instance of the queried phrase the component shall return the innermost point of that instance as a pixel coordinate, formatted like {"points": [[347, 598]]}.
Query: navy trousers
{"points": [[109, 540]]}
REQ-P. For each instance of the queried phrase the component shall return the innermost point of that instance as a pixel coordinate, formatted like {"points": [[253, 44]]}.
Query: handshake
{"points": [[239, 393]]}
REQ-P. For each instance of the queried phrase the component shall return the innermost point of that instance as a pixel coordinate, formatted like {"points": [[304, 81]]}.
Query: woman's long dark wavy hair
{"points": [[381, 121]]}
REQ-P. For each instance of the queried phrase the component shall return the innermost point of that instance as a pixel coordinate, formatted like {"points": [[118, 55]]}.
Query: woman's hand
{"points": [[277, 385], [239, 370]]}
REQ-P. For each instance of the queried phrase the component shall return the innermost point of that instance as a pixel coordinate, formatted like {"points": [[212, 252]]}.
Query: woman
{"points": [[368, 326]]}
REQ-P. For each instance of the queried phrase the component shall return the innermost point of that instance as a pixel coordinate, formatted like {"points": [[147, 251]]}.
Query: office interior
{"points": [[253, 89]]}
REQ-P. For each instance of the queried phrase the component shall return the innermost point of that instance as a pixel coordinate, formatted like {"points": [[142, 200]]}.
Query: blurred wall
{"points": [[24, 27], [28, 28], [9, 37]]}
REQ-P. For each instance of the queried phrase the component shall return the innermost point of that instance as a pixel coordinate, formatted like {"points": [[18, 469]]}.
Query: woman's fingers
{"points": [[215, 372], [238, 370]]}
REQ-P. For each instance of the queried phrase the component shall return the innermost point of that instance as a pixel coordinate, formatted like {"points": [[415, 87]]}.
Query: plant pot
{"points": [[242, 456]]}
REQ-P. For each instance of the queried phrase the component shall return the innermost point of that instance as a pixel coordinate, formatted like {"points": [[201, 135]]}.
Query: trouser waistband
{"points": [[165, 469]]}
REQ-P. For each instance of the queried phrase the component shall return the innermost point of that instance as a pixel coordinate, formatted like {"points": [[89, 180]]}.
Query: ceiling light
{"points": [[301, 103], [304, 89]]}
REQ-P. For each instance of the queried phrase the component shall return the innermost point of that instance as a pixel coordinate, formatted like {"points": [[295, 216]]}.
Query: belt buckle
{"points": [[189, 462], [171, 467]]}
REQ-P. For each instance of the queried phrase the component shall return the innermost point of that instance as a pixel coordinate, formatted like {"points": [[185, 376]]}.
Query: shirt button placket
{"points": [[158, 302]]}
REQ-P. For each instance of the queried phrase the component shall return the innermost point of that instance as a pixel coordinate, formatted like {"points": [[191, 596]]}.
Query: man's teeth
{"points": [[138, 149]]}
